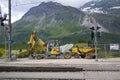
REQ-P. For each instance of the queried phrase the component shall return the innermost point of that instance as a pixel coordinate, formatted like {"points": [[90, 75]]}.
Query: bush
{"points": [[115, 54], [110, 54], [23, 54], [2, 53], [101, 55]]}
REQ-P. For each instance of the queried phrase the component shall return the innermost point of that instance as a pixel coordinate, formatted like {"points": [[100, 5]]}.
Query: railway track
{"points": [[36, 79], [38, 69], [50, 69]]}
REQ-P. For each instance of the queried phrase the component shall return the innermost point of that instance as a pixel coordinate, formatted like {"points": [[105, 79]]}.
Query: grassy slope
{"points": [[110, 22], [66, 32], [45, 32]]}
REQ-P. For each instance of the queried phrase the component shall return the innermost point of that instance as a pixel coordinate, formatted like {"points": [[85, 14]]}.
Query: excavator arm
{"points": [[51, 48], [41, 44], [33, 40]]}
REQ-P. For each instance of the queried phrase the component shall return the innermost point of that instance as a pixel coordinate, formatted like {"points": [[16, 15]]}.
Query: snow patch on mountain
{"points": [[102, 7], [92, 10], [92, 4], [115, 7], [86, 9]]}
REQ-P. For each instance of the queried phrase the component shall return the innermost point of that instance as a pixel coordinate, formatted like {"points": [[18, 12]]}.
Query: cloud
{"points": [[16, 16], [74, 3], [20, 7], [4, 9]]}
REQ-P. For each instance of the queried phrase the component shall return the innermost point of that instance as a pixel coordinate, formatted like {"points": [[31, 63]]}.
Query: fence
{"points": [[108, 50]]}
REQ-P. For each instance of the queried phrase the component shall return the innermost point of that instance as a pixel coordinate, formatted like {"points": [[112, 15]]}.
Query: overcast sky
{"points": [[20, 7]]}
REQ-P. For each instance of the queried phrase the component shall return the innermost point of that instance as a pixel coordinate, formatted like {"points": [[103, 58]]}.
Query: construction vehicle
{"points": [[80, 52], [83, 52], [52, 49]]}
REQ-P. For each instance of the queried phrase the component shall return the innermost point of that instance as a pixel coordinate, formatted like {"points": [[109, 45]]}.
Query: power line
{"points": [[3, 0], [26, 3], [15, 3]]}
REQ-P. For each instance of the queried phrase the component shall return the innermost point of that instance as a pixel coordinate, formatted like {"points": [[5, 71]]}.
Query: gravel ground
{"points": [[104, 69], [86, 64], [87, 75]]}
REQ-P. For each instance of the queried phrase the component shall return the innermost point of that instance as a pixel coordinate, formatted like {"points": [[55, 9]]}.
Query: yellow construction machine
{"points": [[50, 49], [83, 52], [80, 52]]}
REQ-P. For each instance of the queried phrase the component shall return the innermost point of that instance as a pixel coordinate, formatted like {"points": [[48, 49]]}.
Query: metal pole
{"points": [[95, 41], [105, 50], [10, 32], [95, 37]]}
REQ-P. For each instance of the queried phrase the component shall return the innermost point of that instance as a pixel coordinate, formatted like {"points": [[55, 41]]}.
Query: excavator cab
{"points": [[53, 47]]}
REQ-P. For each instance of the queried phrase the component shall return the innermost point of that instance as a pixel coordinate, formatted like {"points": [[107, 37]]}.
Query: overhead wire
{"points": [[15, 3], [26, 3], [3, 0]]}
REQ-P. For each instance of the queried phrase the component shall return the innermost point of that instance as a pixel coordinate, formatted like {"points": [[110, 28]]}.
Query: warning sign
{"points": [[114, 46]]}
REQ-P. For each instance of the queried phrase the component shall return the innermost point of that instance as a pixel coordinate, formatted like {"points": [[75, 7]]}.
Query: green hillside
{"points": [[56, 31], [110, 22], [55, 21]]}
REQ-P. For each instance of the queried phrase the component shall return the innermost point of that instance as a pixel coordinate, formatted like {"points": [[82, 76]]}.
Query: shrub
{"points": [[23, 54], [110, 54], [2, 53], [115, 54]]}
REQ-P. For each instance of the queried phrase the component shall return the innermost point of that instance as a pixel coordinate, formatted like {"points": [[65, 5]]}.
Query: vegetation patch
{"points": [[108, 54], [3, 53]]}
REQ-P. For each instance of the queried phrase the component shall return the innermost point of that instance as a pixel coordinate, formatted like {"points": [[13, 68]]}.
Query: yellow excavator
{"points": [[50, 49]]}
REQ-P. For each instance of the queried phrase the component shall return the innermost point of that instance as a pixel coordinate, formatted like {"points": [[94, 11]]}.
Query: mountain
{"points": [[102, 6], [54, 11], [64, 23], [106, 13], [52, 21], [110, 22]]}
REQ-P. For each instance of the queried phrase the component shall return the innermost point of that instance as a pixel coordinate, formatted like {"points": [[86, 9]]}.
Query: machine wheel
{"points": [[31, 56], [82, 56], [76, 55], [39, 56], [89, 56], [67, 55], [94, 56]]}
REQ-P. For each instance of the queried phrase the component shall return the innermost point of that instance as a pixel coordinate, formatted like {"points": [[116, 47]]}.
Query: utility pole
{"points": [[10, 32], [0, 12], [94, 36], [95, 42]]}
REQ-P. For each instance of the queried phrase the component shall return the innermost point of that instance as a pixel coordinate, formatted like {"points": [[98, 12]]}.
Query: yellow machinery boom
{"points": [[51, 48], [33, 40]]}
